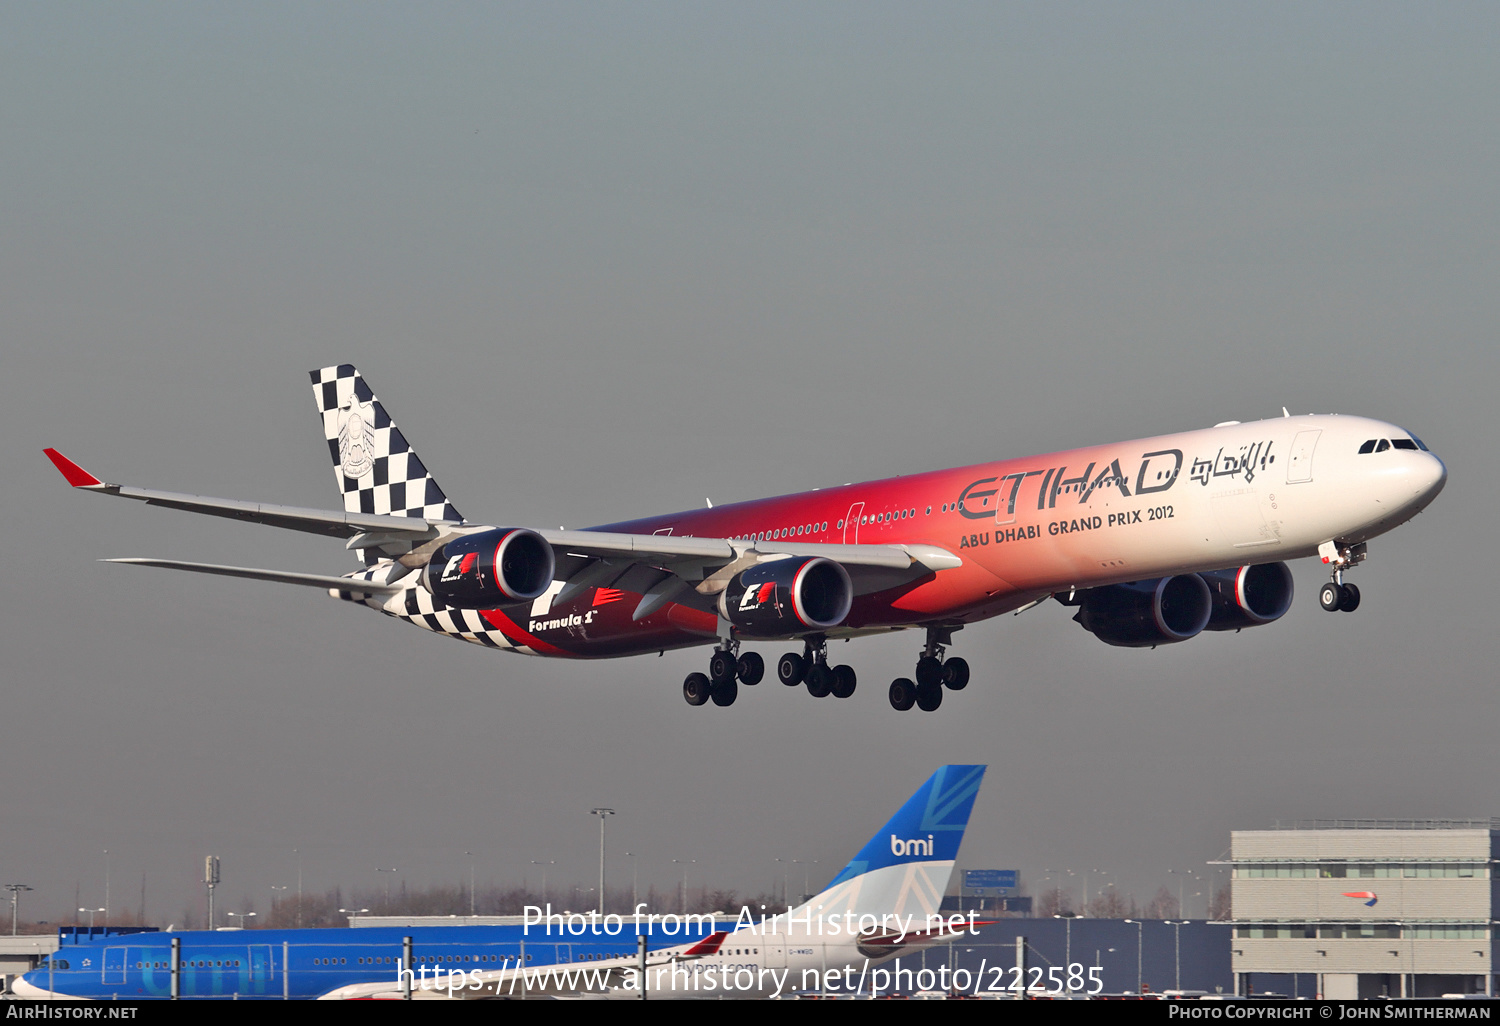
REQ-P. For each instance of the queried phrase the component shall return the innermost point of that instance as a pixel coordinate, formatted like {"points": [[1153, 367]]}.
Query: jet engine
{"points": [[788, 596], [493, 568], [1248, 596], [1146, 613]]}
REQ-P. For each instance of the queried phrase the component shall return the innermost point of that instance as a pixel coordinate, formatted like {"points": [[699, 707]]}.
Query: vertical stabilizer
{"points": [[376, 468], [905, 867]]}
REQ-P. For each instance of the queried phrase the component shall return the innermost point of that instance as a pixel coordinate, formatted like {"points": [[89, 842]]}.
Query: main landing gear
{"points": [[1336, 596], [811, 667], [726, 671], [933, 674]]}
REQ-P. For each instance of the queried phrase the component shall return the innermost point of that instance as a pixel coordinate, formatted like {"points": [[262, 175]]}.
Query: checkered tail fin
{"points": [[377, 470]]}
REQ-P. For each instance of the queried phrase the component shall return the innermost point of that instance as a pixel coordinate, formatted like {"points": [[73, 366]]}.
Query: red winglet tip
{"points": [[76, 475], [708, 945]]}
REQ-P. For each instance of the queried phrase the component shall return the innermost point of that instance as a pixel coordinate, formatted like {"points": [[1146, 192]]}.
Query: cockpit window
{"points": [[1404, 443], [1368, 447], [1383, 446]]}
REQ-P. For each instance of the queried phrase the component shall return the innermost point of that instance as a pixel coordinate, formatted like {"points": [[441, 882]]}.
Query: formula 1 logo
{"points": [[1368, 897], [754, 598], [460, 565], [912, 846]]}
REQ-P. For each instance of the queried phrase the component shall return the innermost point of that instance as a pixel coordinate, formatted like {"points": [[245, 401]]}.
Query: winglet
{"points": [[708, 945], [76, 475]]}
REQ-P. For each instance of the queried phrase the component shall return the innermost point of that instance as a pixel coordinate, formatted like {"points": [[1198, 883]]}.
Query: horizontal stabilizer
{"points": [[349, 584]]}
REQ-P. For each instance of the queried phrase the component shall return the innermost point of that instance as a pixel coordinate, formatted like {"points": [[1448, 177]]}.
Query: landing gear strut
{"points": [[811, 667], [1336, 596], [933, 674], [726, 671]]}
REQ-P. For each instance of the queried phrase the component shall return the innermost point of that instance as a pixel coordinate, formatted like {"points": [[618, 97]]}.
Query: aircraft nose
{"points": [[1428, 477]]}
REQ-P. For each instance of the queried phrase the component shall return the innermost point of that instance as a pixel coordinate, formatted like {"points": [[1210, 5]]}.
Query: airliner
{"points": [[1151, 541], [886, 903]]}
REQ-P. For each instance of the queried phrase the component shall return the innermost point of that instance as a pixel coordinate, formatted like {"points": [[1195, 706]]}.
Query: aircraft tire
{"points": [[903, 694], [819, 680], [790, 669], [929, 671], [696, 688], [956, 674], [751, 668], [1330, 596], [1349, 602], [721, 667], [843, 681], [724, 694], [929, 697]]}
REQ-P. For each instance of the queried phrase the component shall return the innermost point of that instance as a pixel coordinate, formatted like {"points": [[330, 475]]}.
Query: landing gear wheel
{"points": [[724, 694], [1350, 602], [721, 667], [903, 694], [929, 671], [751, 668], [695, 689], [956, 674], [1330, 596], [843, 681], [929, 696], [819, 680], [790, 669]]}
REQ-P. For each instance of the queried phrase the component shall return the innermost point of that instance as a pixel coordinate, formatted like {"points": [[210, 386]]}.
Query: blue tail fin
{"points": [[906, 866]]}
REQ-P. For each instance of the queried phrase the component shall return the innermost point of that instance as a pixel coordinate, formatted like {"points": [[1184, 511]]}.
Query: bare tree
{"points": [[1163, 906], [1108, 905], [1055, 902], [1221, 908]]}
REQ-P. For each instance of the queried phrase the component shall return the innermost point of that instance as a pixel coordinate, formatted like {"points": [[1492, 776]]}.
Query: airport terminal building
{"points": [[1370, 908]]}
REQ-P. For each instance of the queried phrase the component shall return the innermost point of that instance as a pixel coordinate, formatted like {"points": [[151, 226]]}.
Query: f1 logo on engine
{"points": [[754, 598]]}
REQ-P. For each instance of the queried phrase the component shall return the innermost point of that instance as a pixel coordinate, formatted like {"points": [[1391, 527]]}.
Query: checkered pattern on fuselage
{"points": [[375, 466]]}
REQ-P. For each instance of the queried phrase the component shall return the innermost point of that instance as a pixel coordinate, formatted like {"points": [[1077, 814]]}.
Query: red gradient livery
{"points": [[1151, 541]]}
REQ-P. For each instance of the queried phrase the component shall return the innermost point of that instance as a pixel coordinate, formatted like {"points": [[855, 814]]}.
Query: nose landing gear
{"points": [[1336, 596]]}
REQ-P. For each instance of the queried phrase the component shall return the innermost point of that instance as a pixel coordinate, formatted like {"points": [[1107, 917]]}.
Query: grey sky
{"points": [[602, 261]]}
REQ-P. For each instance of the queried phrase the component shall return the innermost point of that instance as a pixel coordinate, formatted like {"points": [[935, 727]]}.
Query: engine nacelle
{"points": [[493, 568], [788, 596], [1146, 613], [1248, 596]]}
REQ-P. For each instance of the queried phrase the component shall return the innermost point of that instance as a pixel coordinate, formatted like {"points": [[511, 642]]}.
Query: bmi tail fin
{"points": [[905, 867], [375, 466]]}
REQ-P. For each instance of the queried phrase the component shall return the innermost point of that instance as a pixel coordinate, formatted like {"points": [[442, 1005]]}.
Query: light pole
{"points": [[1178, 924], [392, 871], [635, 899], [470, 854], [1067, 940], [804, 863], [91, 912], [274, 901], [242, 917], [1139, 939], [684, 863], [15, 901], [603, 815], [297, 852], [544, 866]]}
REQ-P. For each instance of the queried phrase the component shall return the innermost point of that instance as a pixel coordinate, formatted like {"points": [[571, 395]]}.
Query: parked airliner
{"points": [[1153, 541], [884, 904]]}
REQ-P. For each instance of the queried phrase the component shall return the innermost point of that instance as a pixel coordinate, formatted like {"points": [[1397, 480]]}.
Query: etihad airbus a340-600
{"points": [[1152, 541]]}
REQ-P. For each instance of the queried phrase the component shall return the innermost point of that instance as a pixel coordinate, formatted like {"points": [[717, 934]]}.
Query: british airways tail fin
{"points": [[375, 466], [905, 867]]}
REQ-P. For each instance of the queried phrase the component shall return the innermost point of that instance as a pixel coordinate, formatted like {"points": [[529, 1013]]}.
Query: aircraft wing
{"points": [[295, 518], [661, 568]]}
